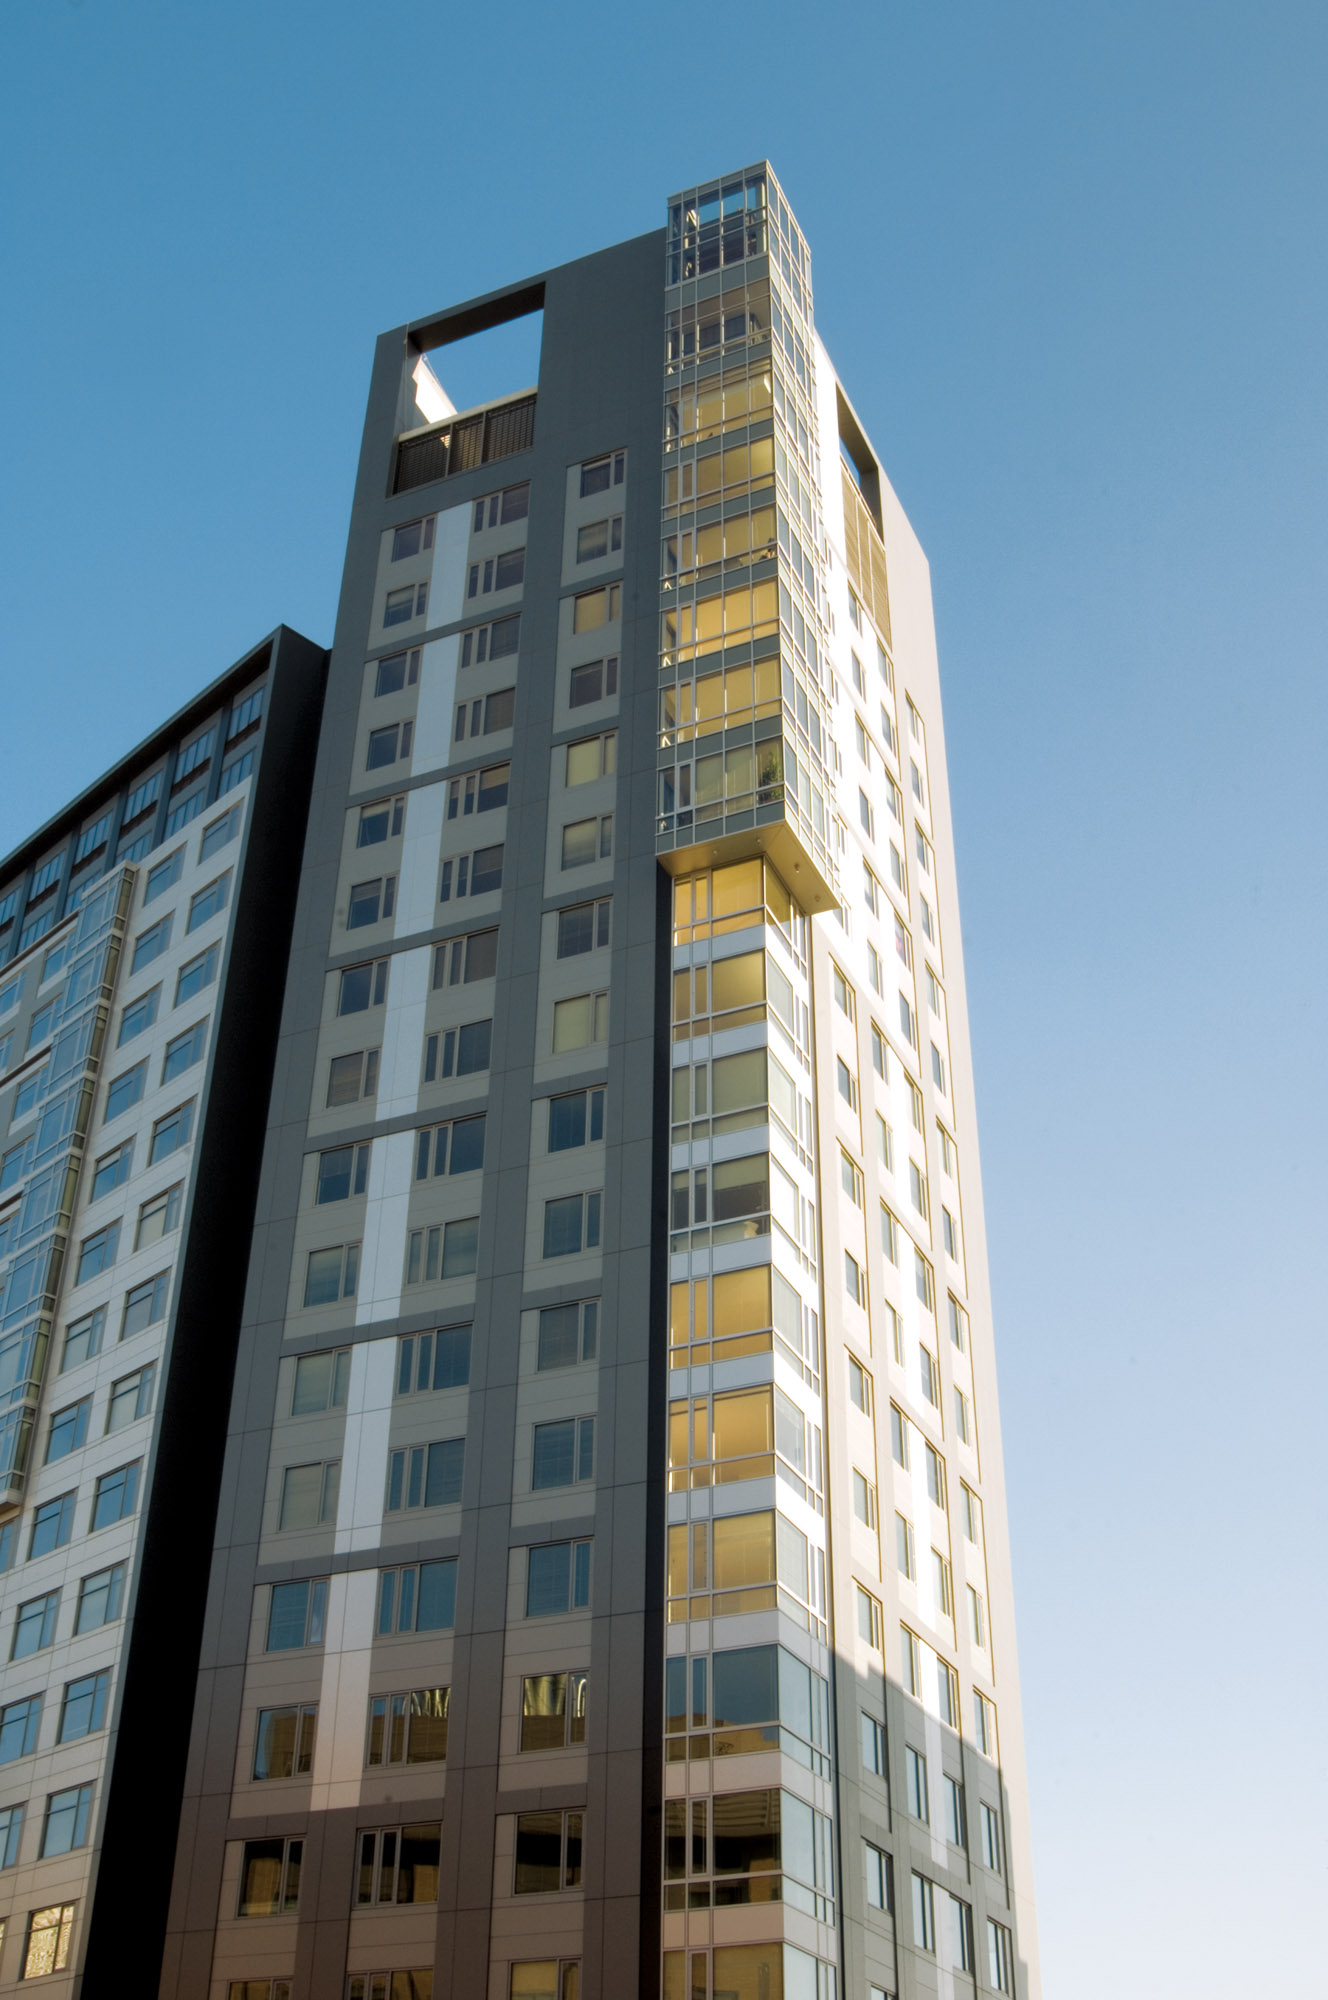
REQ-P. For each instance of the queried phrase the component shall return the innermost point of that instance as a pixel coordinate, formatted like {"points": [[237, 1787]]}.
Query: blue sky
{"points": [[1070, 263]]}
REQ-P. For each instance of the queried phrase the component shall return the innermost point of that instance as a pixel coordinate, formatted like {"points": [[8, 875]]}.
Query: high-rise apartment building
{"points": [[506, 1492]]}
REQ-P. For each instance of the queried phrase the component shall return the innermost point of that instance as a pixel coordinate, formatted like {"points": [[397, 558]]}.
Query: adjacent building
{"points": [[503, 1456]]}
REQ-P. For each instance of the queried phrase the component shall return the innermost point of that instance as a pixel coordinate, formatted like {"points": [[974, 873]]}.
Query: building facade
{"points": [[609, 1585]]}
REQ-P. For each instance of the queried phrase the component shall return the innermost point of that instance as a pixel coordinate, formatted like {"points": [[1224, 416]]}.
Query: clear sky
{"points": [[1070, 260]]}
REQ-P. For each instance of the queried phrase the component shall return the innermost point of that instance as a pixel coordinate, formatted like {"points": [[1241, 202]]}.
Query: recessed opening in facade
{"points": [[478, 357], [859, 460]]}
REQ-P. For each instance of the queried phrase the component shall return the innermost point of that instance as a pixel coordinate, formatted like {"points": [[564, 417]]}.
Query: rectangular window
{"points": [[963, 1417], [399, 1864], [991, 1837], [349, 1078], [438, 1360], [163, 876], [83, 1339], [586, 841], [593, 608], [343, 1171], [412, 538], [477, 874], [449, 1250], [553, 1710], [599, 538], [513, 504], [380, 822], [461, 961], [889, 1235], [576, 1119], [321, 1382], [501, 572], [899, 1436], [332, 1274], [269, 1877], [864, 1500], [46, 1947], [151, 944], [297, 1615], [568, 1334], [924, 1914], [97, 1252], [872, 1736], [52, 1525], [99, 1599], [131, 1397], [859, 1387], [184, 1051], [124, 1091], [69, 1429], [935, 1477], [284, 1741], [571, 1224], [937, 1069], [65, 1825], [83, 1707], [396, 671], [419, 1598], [977, 1618], [199, 973], [425, 1475], [563, 1453], [491, 642], [870, 1624], [407, 602], [596, 680], [478, 792], [309, 1494], [371, 902], [971, 1510], [115, 1496], [584, 927], [958, 1322], [158, 1217], [984, 1724], [557, 1578], [880, 1879], [388, 745], [592, 757], [145, 1304], [904, 1548], [598, 474], [362, 986], [135, 1018], [486, 714], [408, 1728], [1000, 1957], [581, 1022], [548, 1852], [21, 1720], [209, 901]]}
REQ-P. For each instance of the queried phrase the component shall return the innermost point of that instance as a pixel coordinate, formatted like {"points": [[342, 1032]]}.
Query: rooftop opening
{"points": [[478, 356], [859, 460]]}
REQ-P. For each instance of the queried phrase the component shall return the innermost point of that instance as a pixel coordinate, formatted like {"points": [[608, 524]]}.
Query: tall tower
{"points": [[609, 1587]]}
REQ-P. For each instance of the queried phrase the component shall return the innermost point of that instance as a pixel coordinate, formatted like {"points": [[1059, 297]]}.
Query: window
{"points": [[563, 1454], [557, 1578], [15, 1165], [947, 1692], [99, 1598], [963, 1417], [145, 1304], [11, 1835], [553, 1710], [977, 1618], [309, 1494], [425, 1475], [889, 1235], [971, 1510], [590, 758], [870, 1626], [935, 1478], [917, 1187], [596, 680], [599, 538], [69, 1429], [182, 1053], [321, 1382], [297, 1615], [419, 1598], [864, 1500], [400, 1864], [449, 1250], [163, 876], [842, 990], [548, 1852], [846, 1083], [342, 1172], [479, 791], [184, 810], [598, 474], [461, 1051], [158, 1217], [491, 642], [568, 1334], [220, 833], [586, 841], [408, 1728], [512, 504], [872, 1736], [65, 1825], [571, 1223], [380, 822], [904, 1548], [581, 1022], [396, 671], [991, 1837], [124, 1090], [487, 714], [269, 1877], [937, 1069], [958, 1323], [461, 961], [923, 1283], [928, 921], [899, 1436], [501, 572], [477, 874], [21, 1720], [284, 1741], [584, 927], [915, 1783], [859, 1387], [362, 986], [593, 608], [137, 1017], [371, 901], [131, 1397], [115, 1496], [409, 601], [52, 1525], [850, 1179], [854, 1282], [83, 1339], [924, 1914], [171, 1133], [576, 1119], [46, 1948], [151, 944], [915, 1105], [388, 745], [97, 1252], [546, 1979], [1000, 1957], [961, 1934], [349, 1078], [332, 1274], [880, 1878], [209, 901], [197, 974], [984, 1724], [413, 537]]}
